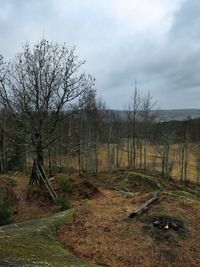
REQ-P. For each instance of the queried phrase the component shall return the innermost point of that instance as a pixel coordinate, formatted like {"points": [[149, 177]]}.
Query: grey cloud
{"points": [[187, 21], [171, 69], [167, 64]]}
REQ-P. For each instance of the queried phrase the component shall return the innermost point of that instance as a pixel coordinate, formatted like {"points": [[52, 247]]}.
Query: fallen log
{"points": [[146, 205]]}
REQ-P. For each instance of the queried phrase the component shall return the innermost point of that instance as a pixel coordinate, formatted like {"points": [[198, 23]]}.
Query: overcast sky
{"points": [[156, 42]]}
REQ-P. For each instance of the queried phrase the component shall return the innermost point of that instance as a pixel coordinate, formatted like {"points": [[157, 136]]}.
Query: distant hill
{"points": [[178, 114], [163, 114]]}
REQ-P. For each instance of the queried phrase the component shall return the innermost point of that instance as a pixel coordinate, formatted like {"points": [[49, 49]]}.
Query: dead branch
{"points": [[38, 176]]}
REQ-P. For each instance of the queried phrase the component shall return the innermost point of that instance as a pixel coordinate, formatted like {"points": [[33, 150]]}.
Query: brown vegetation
{"points": [[102, 233]]}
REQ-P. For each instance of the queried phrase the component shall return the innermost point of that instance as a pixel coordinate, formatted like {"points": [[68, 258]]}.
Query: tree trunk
{"points": [[145, 206], [50, 163], [128, 151], [145, 154], [182, 164], [40, 156], [108, 149]]}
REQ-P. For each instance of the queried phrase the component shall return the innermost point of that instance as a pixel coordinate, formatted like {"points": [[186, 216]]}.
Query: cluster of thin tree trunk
{"points": [[49, 112], [93, 139]]}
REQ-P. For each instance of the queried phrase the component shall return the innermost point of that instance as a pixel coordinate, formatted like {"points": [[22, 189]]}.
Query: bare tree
{"points": [[92, 124], [133, 112], [196, 152], [37, 85], [164, 149], [148, 116], [184, 150]]}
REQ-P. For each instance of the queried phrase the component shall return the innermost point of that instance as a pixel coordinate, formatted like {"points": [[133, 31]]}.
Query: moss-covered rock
{"points": [[35, 243]]}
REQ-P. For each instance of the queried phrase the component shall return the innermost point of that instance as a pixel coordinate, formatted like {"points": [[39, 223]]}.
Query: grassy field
{"points": [[109, 162]]}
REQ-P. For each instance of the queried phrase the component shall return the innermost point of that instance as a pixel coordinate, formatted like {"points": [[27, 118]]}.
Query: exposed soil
{"points": [[27, 202], [31, 201], [101, 232], [85, 190]]}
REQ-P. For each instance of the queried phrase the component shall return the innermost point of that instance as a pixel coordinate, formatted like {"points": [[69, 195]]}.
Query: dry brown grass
{"points": [[153, 159], [28, 202], [102, 233], [100, 229]]}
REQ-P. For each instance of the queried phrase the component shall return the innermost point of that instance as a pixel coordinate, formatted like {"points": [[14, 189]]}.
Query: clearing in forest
{"points": [[101, 231], [97, 229]]}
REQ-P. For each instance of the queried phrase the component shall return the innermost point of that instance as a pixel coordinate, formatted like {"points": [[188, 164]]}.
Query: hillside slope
{"points": [[98, 229]]}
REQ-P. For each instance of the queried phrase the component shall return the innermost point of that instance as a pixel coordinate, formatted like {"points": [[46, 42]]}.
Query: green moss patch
{"points": [[35, 243], [137, 182]]}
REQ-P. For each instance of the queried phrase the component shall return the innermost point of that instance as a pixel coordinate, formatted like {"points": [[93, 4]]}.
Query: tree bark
{"points": [[145, 206]]}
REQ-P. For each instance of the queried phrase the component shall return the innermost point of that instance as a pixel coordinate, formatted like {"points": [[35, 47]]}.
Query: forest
{"points": [[105, 191], [90, 138]]}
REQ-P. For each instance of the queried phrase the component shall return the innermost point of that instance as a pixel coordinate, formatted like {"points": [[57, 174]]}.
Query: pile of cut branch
{"points": [[38, 176]]}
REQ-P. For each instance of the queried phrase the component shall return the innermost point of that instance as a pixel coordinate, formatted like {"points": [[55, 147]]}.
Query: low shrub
{"points": [[65, 185], [63, 203], [5, 215]]}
